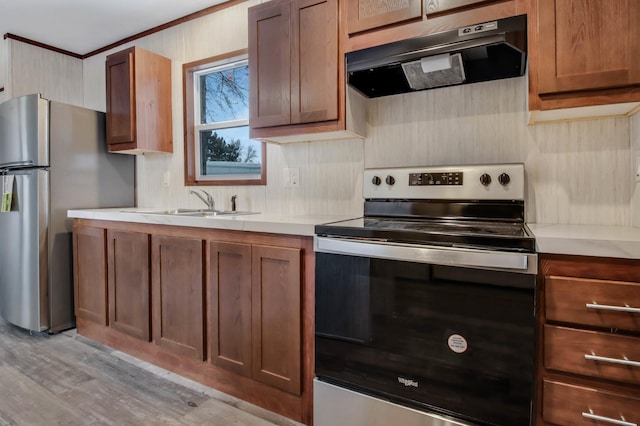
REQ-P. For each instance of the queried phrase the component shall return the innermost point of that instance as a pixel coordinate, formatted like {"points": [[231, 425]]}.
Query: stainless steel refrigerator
{"points": [[55, 157]]}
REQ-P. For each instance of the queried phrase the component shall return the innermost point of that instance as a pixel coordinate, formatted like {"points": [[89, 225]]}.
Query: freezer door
{"points": [[24, 137], [23, 252]]}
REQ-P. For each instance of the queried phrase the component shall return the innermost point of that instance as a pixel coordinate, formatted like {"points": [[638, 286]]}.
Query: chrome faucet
{"points": [[208, 201]]}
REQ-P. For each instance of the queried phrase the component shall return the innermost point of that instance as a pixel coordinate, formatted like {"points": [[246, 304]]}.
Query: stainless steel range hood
{"points": [[485, 51]]}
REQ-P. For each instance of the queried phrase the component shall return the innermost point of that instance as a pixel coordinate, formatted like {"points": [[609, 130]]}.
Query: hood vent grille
{"points": [[434, 71]]}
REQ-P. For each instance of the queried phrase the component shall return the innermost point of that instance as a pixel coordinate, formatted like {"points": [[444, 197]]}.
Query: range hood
{"points": [[482, 52]]}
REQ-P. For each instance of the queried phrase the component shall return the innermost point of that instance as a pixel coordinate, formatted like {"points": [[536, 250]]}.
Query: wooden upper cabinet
{"points": [[368, 14], [177, 277], [296, 80], [121, 110], [269, 64], [314, 61], [129, 287], [139, 116], [90, 274], [437, 6], [586, 45]]}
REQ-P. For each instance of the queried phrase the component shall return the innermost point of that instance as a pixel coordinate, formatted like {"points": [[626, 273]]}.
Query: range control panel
{"points": [[459, 182], [435, 178]]}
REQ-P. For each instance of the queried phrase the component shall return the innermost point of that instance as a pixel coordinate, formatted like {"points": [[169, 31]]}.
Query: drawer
{"points": [[564, 404], [600, 303], [567, 349]]}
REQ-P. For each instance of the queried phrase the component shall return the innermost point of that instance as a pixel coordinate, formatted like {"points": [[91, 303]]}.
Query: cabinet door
{"points": [[585, 44], [437, 6], [178, 295], [129, 290], [90, 274], [230, 303], [275, 301], [269, 64], [314, 61], [367, 14], [121, 120]]}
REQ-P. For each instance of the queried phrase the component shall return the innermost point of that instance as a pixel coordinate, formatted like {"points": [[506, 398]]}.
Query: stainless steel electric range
{"points": [[425, 306]]}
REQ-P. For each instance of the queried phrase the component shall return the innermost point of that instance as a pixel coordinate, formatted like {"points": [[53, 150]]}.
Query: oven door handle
{"points": [[453, 256]]}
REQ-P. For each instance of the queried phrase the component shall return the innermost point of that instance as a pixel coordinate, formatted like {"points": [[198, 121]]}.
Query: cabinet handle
{"points": [[622, 422], [594, 357], [629, 309]]}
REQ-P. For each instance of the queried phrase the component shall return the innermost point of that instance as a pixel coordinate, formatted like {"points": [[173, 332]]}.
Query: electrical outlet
{"points": [[637, 170], [291, 177], [166, 178]]}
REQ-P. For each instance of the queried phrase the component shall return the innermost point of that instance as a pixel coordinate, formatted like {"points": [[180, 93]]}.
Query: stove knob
{"points": [[485, 179], [376, 181], [390, 180], [504, 179]]}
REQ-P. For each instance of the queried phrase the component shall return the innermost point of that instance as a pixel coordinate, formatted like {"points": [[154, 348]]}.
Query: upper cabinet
{"points": [[371, 23], [138, 102], [3, 77], [588, 45], [370, 14], [437, 6], [367, 14], [587, 53], [296, 76]]}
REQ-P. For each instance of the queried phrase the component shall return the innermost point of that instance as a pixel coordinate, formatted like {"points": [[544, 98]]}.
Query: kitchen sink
{"points": [[192, 212]]}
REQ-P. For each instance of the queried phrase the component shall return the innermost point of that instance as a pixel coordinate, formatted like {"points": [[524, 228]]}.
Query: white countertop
{"points": [[587, 240], [261, 222]]}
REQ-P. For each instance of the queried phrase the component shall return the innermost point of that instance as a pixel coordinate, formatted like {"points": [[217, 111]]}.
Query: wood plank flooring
{"points": [[66, 379]]}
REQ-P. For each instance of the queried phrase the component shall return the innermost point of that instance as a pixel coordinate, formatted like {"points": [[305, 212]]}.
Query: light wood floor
{"points": [[66, 379]]}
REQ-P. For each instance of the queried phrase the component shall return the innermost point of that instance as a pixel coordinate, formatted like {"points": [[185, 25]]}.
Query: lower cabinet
{"points": [[231, 309], [255, 312], [128, 277], [275, 313], [177, 276], [230, 304], [90, 277], [588, 371]]}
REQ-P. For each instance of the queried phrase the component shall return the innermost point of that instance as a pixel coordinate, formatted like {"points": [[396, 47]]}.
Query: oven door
{"points": [[427, 333]]}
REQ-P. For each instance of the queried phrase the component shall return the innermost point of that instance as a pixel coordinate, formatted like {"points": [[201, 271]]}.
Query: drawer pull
{"points": [[622, 422], [629, 309], [625, 361]]}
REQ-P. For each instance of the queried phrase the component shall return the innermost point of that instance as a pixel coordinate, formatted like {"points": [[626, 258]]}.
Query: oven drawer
{"points": [[592, 354], [566, 404], [600, 303]]}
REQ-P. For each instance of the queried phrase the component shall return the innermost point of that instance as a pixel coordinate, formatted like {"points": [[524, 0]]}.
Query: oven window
{"points": [[454, 340]]}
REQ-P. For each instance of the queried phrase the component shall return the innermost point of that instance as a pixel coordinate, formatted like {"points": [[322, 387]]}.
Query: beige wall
{"points": [[32, 69], [635, 169], [578, 172]]}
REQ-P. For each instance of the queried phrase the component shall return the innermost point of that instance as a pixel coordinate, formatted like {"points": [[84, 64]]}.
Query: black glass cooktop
{"points": [[460, 233]]}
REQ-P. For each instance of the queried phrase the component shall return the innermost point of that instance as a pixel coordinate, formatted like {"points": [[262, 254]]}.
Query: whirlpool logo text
{"points": [[407, 382]]}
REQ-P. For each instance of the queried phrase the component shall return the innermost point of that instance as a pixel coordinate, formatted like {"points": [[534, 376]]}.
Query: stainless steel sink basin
{"points": [[192, 212]]}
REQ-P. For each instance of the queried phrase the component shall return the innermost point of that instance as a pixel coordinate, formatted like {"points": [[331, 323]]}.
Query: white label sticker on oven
{"points": [[457, 343]]}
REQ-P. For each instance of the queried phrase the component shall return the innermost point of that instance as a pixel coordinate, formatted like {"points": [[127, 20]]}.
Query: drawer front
{"points": [[600, 303], [592, 354], [564, 404]]}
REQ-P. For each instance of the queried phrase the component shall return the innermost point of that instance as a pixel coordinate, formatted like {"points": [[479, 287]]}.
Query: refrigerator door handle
{"points": [[16, 165]]}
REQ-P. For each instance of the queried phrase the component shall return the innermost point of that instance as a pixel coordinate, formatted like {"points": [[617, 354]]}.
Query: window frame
{"points": [[191, 139]]}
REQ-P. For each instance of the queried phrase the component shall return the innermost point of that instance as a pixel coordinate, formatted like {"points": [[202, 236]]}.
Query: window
{"points": [[218, 150]]}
